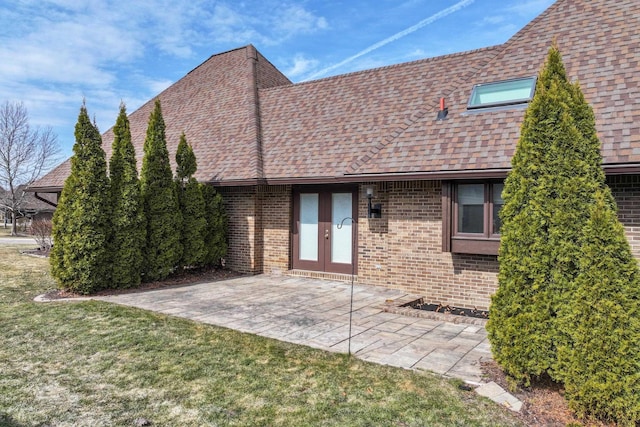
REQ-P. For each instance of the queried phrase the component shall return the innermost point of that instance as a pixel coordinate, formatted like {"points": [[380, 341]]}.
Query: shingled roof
{"points": [[600, 43], [248, 124], [321, 128], [216, 105]]}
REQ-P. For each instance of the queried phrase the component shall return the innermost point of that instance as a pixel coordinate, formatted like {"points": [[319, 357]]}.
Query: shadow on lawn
{"points": [[7, 421]]}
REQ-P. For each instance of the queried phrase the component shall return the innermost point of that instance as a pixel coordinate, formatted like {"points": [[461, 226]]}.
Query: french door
{"points": [[324, 229]]}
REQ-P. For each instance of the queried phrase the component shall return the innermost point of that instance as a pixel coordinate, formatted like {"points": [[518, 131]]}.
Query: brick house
{"points": [[295, 160], [31, 208]]}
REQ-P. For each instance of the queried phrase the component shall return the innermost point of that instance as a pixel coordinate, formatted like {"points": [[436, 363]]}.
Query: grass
{"points": [[6, 231], [98, 364]]}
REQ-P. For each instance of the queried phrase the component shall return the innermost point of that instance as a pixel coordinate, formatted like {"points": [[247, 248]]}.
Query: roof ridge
{"points": [[252, 59], [214, 55], [385, 67]]}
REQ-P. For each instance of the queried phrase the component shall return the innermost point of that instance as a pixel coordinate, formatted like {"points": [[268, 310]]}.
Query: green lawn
{"points": [[97, 364]]}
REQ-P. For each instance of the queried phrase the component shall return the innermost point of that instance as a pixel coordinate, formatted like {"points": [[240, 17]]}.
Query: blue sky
{"points": [[55, 53]]}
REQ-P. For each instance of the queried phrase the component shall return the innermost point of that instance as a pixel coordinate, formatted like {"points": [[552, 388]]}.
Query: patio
{"points": [[315, 313]]}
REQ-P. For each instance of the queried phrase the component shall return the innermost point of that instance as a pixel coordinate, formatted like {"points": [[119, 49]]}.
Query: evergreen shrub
{"points": [[602, 363], [567, 304], [215, 237], [192, 206], [163, 219], [80, 258], [128, 220]]}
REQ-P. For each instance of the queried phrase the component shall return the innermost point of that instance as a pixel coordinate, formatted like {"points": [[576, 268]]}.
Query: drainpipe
{"points": [[42, 199]]}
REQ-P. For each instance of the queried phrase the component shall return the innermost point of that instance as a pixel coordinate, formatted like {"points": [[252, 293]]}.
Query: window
{"points": [[471, 220], [507, 92], [471, 208], [478, 207]]}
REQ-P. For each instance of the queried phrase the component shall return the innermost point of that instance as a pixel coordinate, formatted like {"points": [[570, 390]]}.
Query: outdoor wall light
{"points": [[374, 211]]}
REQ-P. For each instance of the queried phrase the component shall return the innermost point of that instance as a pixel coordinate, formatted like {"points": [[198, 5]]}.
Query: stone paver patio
{"points": [[316, 313]]}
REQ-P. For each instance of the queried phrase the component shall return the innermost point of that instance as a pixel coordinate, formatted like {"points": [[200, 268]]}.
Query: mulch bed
{"points": [[543, 403], [447, 309]]}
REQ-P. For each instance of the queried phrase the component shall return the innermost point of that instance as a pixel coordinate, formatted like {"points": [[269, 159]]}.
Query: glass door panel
{"points": [[341, 228], [308, 227]]}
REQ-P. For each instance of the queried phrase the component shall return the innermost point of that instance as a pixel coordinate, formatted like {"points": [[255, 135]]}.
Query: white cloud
{"points": [[229, 25], [294, 19], [497, 25], [266, 23], [416, 54], [301, 65]]}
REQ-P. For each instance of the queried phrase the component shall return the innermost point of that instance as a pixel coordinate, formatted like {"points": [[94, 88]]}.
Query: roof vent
{"points": [[443, 111]]}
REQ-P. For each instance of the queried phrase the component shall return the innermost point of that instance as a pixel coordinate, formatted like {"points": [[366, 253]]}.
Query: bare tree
{"points": [[25, 154]]}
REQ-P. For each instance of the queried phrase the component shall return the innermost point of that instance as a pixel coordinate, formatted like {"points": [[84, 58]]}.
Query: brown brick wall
{"points": [[403, 249], [276, 219], [259, 219], [626, 190], [245, 251]]}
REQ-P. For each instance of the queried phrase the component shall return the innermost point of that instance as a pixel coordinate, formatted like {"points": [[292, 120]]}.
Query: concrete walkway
{"points": [[316, 313]]}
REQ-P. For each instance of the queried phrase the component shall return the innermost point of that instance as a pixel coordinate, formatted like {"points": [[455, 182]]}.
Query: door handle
{"points": [[326, 234]]}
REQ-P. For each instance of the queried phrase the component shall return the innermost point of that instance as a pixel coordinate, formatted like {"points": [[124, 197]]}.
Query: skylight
{"points": [[506, 92]]}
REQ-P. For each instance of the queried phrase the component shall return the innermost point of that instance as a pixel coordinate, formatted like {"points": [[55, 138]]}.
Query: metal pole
{"points": [[353, 267]]}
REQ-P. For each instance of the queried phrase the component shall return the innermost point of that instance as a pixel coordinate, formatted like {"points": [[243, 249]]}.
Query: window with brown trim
{"points": [[472, 222]]}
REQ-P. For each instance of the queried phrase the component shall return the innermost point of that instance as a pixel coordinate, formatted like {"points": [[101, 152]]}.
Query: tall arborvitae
{"points": [[602, 362], [162, 249], [215, 237], [80, 258], [128, 236], [556, 170], [191, 206]]}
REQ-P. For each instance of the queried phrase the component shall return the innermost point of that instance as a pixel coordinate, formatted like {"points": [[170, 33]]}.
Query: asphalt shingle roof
{"points": [[324, 127], [600, 44], [216, 106]]}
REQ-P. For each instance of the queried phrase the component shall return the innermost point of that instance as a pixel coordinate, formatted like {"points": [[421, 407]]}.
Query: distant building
{"points": [[32, 208]]}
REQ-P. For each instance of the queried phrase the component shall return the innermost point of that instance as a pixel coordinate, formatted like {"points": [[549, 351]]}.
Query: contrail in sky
{"points": [[456, 7]]}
